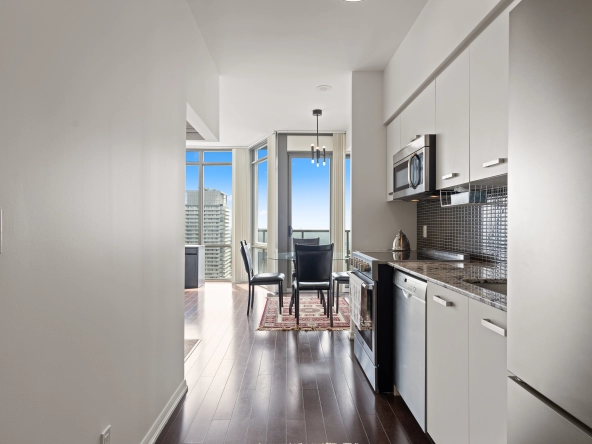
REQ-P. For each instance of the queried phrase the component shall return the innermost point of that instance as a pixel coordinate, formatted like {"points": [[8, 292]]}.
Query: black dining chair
{"points": [[338, 277], [304, 241], [314, 264], [261, 278]]}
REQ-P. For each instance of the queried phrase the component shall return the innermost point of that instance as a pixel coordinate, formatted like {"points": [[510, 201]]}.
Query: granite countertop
{"points": [[450, 275]]}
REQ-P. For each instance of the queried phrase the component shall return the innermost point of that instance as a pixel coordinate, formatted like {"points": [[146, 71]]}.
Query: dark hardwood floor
{"points": [[248, 386]]}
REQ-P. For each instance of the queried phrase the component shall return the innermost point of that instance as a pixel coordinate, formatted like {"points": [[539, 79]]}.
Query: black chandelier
{"points": [[317, 113]]}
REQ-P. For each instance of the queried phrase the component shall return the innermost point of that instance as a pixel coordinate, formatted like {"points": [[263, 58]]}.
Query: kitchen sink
{"points": [[497, 285]]}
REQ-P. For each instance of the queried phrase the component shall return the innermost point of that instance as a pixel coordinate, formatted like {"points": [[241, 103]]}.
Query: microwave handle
{"points": [[409, 171]]}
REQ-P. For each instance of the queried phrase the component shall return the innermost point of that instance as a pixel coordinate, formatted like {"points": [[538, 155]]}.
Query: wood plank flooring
{"points": [[248, 386]]}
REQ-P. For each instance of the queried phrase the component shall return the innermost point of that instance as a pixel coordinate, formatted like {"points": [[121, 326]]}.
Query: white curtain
{"points": [[272, 207], [338, 198], [241, 209]]}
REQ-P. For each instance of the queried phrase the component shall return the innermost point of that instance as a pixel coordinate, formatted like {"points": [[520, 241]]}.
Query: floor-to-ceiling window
{"points": [[259, 210], [208, 208]]}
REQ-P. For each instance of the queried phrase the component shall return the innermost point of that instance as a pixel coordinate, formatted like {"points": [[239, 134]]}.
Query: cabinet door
{"points": [[447, 366], [489, 100], [393, 144], [420, 116], [452, 124], [487, 374]]}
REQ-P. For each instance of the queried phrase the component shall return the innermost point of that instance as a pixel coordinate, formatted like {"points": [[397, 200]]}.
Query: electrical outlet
{"points": [[106, 436], [425, 231]]}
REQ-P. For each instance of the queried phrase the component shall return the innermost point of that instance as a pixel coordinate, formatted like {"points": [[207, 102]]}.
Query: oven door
{"points": [[363, 311], [409, 175]]}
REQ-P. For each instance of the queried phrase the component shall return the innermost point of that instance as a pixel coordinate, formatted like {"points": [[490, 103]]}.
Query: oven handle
{"points": [[366, 282]]}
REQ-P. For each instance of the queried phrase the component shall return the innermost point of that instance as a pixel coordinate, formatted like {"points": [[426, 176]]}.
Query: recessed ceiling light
{"points": [[324, 88]]}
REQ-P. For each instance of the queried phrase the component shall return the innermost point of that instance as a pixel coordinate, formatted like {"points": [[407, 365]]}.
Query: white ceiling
{"points": [[272, 54]]}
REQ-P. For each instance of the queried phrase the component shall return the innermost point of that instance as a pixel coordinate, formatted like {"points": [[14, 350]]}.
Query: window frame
{"points": [[200, 163]]}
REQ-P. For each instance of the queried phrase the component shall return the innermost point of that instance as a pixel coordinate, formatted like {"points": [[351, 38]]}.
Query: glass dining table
{"points": [[291, 256]]}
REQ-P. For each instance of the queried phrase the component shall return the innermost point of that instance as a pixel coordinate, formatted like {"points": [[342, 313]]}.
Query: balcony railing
{"points": [[324, 235]]}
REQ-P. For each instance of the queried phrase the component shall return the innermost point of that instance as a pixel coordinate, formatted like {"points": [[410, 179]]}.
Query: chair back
{"points": [[314, 263], [303, 241], [247, 261]]}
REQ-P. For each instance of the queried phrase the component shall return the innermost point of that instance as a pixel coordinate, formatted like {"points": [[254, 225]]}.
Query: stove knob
{"points": [[365, 267]]}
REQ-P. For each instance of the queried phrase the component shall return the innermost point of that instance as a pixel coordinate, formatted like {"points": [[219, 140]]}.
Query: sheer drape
{"points": [[241, 209], [338, 198]]}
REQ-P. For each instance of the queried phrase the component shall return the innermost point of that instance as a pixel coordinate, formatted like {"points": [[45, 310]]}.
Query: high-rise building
{"points": [[216, 229]]}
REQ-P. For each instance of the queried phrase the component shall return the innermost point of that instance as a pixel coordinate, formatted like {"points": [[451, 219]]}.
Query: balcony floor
{"points": [[252, 386]]}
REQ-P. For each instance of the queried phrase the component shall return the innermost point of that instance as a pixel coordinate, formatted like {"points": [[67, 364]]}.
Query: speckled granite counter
{"points": [[451, 275]]}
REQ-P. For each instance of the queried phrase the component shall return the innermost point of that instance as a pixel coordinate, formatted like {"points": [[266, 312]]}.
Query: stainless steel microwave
{"points": [[414, 169]]}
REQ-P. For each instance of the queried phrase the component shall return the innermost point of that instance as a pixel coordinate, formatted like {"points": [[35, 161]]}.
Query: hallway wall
{"points": [[92, 149]]}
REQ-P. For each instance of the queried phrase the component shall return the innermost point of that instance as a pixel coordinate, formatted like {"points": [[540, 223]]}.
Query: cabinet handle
{"points": [[443, 302], [391, 193], [449, 176], [494, 328], [493, 163]]}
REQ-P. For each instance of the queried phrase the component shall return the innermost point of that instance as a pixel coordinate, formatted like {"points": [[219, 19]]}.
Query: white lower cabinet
{"points": [[466, 369], [487, 374], [447, 366]]}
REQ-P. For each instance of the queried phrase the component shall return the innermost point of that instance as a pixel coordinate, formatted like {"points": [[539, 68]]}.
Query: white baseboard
{"points": [[164, 416]]}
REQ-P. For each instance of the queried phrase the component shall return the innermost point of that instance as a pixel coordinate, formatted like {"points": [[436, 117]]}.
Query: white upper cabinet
{"points": [[393, 144], [420, 116], [452, 123], [489, 69]]}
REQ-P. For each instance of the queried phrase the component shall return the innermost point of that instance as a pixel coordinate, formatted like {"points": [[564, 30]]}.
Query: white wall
{"points": [[375, 222], [92, 145], [441, 28]]}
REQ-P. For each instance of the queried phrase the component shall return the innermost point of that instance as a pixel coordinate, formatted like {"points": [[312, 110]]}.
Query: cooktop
{"points": [[384, 256]]}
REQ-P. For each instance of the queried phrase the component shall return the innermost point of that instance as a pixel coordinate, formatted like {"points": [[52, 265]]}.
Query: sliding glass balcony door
{"points": [[310, 198]]}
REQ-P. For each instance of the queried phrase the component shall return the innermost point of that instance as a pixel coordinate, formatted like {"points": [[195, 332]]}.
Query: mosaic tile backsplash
{"points": [[480, 230]]}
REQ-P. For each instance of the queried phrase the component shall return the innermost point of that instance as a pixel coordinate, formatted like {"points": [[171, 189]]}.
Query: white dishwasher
{"points": [[410, 343]]}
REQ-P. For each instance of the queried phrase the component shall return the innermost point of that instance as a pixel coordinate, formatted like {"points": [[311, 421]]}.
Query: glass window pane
{"points": [[259, 260], [262, 202], [218, 263], [217, 204], [192, 156], [261, 152], [192, 198], [311, 204], [218, 156]]}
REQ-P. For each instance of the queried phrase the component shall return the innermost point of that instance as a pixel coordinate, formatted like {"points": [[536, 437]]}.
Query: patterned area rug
{"points": [[311, 315]]}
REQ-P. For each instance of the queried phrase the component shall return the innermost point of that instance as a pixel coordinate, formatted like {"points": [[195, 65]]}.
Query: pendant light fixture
{"points": [[317, 113]]}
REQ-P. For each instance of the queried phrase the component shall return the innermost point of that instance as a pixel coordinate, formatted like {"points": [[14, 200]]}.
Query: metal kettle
{"points": [[401, 243]]}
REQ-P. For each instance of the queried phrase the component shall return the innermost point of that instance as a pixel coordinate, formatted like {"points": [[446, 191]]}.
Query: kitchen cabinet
{"points": [[489, 87], [393, 144], [447, 366], [466, 369], [452, 124], [487, 374], [420, 115]]}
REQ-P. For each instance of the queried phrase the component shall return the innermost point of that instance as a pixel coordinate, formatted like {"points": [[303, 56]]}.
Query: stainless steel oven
{"points": [[371, 302], [414, 169]]}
